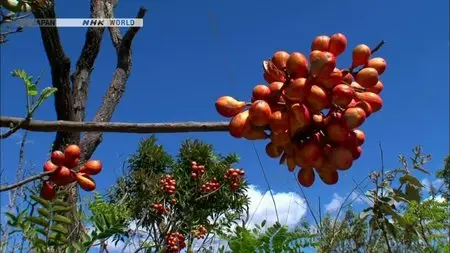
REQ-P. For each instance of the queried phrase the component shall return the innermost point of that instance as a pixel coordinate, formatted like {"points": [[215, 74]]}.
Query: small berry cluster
{"points": [[197, 170], [168, 184], [200, 232], [234, 177], [175, 242], [159, 208], [210, 186]]}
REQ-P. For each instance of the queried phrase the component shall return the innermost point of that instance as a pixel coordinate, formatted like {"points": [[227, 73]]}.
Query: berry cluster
{"points": [[159, 208], [234, 176], [62, 171], [210, 186], [197, 170], [200, 232], [168, 184], [311, 110], [175, 242]]}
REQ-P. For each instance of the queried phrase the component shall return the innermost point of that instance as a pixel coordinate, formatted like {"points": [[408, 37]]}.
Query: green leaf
{"points": [[400, 196], [59, 228], [61, 219], [412, 193], [364, 214], [12, 218], [41, 231], [40, 243], [41, 201], [31, 87], [39, 221], [409, 179], [61, 209], [263, 223], [58, 237], [44, 212], [71, 249], [390, 227], [45, 93], [77, 247], [58, 202], [85, 237]]}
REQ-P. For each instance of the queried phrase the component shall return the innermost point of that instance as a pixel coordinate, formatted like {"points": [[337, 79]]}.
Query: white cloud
{"points": [[437, 183], [290, 206], [335, 203], [427, 184], [437, 198]]}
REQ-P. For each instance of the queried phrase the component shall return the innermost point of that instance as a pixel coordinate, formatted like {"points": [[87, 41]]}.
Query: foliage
{"points": [[32, 91], [276, 238], [444, 174], [189, 207], [47, 230], [398, 219]]}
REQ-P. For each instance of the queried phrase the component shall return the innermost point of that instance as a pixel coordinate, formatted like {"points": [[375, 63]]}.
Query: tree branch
{"points": [[113, 127], [114, 32], [115, 91], [60, 71], [81, 76], [27, 180]]}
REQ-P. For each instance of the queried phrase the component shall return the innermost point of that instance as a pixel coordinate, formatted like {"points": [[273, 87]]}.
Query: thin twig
{"points": [[267, 181], [377, 47], [382, 167], [27, 180], [257, 206], [14, 127], [13, 203], [320, 212], [319, 225], [342, 207], [209, 193], [112, 127]]}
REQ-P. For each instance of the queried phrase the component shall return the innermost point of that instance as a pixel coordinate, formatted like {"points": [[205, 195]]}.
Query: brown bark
{"points": [[113, 127], [60, 71], [116, 88], [70, 101]]}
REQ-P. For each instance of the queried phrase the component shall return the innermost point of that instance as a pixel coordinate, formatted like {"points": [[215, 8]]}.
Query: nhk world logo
{"points": [[81, 22]]}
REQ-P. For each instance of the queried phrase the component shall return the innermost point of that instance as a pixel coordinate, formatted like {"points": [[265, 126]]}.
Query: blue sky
{"points": [[184, 60]]}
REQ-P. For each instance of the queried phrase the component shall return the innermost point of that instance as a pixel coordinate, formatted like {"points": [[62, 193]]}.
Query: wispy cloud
{"points": [[337, 201], [427, 184]]}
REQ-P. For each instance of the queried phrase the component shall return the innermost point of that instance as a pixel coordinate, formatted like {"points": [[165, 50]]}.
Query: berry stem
{"points": [[377, 47]]}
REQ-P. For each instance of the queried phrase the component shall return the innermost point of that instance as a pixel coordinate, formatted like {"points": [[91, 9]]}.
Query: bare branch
{"points": [[27, 180], [115, 91], [81, 76], [15, 193], [113, 127], [10, 18], [60, 71], [114, 32], [13, 128], [209, 193]]}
